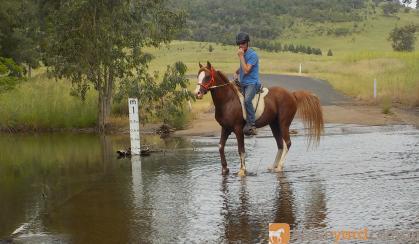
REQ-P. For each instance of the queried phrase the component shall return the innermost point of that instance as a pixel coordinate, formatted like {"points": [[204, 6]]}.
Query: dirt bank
{"points": [[205, 124]]}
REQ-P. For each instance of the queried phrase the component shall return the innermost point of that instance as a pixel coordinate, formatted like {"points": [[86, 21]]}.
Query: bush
{"points": [[403, 38], [329, 53], [341, 31], [390, 8]]}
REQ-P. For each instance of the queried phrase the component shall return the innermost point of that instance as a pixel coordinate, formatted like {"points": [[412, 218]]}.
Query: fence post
{"points": [[301, 69], [375, 88], [134, 126]]}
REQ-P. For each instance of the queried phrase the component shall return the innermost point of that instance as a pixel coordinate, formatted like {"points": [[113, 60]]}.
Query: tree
{"points": [[403, 38], [97, 43], [19, 23], [390, 8], [210, 48], [330, 53], [10, 74], [162, 99], [406, 2]]}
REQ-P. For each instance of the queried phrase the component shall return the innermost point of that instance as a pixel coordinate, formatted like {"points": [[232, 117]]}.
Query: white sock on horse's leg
{"points": [[242, 171], [277, 158], [281, 162]]}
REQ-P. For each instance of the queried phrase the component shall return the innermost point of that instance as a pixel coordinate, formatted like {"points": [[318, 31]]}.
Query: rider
{"points": [[249, 78]]}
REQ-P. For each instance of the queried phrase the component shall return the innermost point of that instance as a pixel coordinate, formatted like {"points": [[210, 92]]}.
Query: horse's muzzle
{"points": [[199, 95]]}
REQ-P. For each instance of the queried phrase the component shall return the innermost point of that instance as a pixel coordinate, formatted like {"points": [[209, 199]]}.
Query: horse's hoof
{"points": [[225, 171], [242, 173], [278, 169], [270, 168]]}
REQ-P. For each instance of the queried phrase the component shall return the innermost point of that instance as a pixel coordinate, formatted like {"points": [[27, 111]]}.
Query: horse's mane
{"points": [[233, 84]]}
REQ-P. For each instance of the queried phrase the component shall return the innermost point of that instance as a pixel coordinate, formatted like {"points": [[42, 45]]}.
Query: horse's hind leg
{"points": [[224, 136], [284, 126], [283, 141], [276, 132]]}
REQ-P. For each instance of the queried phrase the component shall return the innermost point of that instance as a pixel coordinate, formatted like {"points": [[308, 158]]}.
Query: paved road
{"points": [[326, 93]]}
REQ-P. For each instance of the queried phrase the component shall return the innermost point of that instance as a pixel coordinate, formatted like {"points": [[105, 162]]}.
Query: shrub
{"points": [[403, 38]]}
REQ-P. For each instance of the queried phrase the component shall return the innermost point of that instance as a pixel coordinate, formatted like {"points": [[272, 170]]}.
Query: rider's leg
{"points": [[249, 94]]}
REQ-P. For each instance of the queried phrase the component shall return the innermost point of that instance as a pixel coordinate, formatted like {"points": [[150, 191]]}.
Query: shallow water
{"points": [[71, 188]]}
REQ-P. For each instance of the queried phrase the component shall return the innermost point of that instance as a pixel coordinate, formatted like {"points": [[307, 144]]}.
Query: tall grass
{"points": [[351, 72], [397, 75], [43, 103]]}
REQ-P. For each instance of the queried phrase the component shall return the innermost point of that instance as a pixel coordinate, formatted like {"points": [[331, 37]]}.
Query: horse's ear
{"points": [[208, 65], [200, 65]]}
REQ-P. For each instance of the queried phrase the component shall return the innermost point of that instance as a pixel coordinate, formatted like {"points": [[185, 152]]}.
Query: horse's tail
{"points": [[310, 111]]}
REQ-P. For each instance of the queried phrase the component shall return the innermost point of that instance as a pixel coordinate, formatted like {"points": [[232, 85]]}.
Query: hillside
{"points": [[302, 21]]}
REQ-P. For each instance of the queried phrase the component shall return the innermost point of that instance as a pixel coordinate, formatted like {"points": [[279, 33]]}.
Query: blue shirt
{"points": [[252, 77]]}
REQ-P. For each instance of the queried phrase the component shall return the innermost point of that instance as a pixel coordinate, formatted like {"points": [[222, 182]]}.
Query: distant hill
{"points": [[268, 20]]}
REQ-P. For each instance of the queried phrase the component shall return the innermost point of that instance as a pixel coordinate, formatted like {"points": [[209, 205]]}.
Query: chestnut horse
{"points": [[280, 109]]}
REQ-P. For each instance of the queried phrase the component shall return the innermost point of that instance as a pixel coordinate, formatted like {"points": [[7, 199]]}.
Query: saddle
{"points": [[258, 102]]}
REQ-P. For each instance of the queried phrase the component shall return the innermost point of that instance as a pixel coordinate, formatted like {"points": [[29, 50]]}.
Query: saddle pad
{"points": [[258, 107]]}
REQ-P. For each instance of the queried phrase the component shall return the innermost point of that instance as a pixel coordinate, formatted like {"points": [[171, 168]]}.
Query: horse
{"points": [[280, 109]]}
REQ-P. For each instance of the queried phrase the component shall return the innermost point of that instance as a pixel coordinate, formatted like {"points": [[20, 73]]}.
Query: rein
{"points": [[213, 87]]}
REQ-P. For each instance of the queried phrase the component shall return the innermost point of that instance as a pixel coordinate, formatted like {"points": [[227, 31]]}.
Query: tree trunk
{"points": [[101, 121], [105, 100], [29, 72]]}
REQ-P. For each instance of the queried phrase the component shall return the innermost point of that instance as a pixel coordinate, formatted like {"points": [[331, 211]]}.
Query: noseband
{"points": [[211, 84]]}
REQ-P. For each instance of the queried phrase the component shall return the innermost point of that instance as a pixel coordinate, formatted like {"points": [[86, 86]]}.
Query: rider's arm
{"points": [[246, 67]]}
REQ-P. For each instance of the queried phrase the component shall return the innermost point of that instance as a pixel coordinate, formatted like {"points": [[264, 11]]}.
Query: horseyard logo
{"points": [[279, 233]]}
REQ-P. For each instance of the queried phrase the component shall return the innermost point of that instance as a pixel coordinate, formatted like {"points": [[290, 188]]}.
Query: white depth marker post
{"points": [[375, 88], [134, 126]]}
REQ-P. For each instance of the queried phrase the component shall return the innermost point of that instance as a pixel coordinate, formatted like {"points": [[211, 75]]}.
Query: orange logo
{"points": [[279, 233]]}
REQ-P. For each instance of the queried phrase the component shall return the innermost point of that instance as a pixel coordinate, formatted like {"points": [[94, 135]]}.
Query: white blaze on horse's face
{"points": [[201, 77]]}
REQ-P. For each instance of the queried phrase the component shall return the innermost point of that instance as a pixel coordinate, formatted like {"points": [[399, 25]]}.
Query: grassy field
{"points": [[359, 58], [42, 103]]}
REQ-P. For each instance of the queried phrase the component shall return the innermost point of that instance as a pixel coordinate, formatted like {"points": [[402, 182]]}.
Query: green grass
{"points": [[43, 103], [359, 58]]}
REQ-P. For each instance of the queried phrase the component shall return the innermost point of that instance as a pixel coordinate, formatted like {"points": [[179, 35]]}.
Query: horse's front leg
{"points": [[224, 136], [240, 143]]}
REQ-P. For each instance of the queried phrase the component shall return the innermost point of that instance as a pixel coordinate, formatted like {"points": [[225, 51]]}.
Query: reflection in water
{"points": [[71, 188], [242, 220]]}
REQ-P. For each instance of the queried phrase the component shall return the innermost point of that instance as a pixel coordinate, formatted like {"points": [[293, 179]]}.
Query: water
{"points": [[72, 188]]}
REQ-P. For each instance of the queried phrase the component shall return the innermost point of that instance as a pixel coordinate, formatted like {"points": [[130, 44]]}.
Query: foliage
{"points": [[219, 20], [97, 43], [10, 74], [165, 99], [390, 8], [403, 38], [329, 53], [210, 48], [277, 47], [20, 31]]}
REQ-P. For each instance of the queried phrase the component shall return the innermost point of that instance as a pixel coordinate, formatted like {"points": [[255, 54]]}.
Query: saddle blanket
{"points": [[259, 107]]}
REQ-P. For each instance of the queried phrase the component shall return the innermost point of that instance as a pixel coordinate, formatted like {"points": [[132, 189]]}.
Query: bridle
{"points": [[211, 84]]}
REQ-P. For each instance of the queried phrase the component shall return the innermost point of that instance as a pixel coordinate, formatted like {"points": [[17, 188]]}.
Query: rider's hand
{"points": [[240, 52], [235, 76]]}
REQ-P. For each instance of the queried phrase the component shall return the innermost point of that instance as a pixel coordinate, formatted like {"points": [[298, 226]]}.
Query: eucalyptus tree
{"points": [[96, 43]]}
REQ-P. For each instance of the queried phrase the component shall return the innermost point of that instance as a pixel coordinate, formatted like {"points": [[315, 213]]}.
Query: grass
{"points": [[359, 58], [42, 103]]}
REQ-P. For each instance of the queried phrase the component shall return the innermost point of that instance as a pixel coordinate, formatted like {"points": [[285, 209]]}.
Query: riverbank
{"points": [[361, 114]]}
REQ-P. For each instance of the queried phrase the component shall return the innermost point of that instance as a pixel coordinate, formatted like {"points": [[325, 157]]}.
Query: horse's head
{"points": [[206, 80]]}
